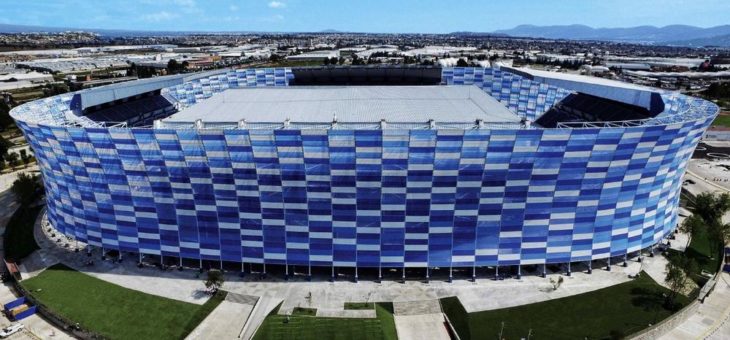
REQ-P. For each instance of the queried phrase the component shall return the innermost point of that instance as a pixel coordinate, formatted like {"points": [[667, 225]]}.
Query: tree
{"points": [[214, 280], [24, 157], [718, 235], [326, 61], [4, 146], [679, 270], [5, 119], [462, 63], [26, 189], [55, 89], [274, 58], [710, 207], [13, 159], [691, 226], [173, 66], [556, 283]]}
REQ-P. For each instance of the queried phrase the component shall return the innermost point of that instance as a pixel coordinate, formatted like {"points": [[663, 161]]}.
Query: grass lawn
{"points": [[113, 311], [359, 305], [699, 250], [311, 327], [722, 120], [304, 311], [612, 312], [18, 240]]}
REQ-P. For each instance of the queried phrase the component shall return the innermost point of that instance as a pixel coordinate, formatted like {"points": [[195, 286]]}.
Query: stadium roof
{"points": [[104, 94], [626, 93], [349, 104]]}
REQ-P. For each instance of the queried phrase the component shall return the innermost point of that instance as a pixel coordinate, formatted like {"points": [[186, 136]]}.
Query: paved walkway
{"points": [[418, 327], [484, 294], [263, 307], [712, 318], [419, 320], [227, 320]]}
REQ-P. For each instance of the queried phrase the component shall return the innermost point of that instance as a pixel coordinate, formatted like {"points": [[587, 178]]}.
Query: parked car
{"points": [[10, 330]]}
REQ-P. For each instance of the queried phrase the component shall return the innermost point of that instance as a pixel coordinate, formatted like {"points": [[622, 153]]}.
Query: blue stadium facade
{"points": [[451, 194]]}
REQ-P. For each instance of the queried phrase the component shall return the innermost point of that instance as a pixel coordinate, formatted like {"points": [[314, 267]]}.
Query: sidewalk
{"points": [[711, 320]]}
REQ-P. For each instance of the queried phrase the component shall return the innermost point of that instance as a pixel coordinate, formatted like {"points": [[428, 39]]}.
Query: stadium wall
{"points": [[367, 198]]}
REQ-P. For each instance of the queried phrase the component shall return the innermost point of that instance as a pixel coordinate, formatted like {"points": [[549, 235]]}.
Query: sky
{"points": [[388, 16]]}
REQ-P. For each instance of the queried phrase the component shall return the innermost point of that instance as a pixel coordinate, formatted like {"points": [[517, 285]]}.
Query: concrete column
{"points": [[309, 272], [356, 273], [496, 272], [590, 267], [626, 259], [519, 272], [474, 273], [608, 264], [568, 274], [427, 274], [544, 270], [380, 273], [333, 274]]}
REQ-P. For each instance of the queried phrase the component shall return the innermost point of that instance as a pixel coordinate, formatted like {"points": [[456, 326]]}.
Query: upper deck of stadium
{"points": [[395, 97]]}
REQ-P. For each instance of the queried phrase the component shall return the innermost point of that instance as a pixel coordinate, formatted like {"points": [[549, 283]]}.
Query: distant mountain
{"points": [[717, 41], [478, 34], [644, 34]]}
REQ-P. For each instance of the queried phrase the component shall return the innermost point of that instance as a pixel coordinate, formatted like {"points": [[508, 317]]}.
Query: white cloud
{"points": [[159, 16], [233, 8], [277, 4]]}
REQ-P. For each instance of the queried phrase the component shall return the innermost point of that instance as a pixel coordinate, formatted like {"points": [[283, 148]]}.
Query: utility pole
{"points": [[529, 334], [501, 330]]}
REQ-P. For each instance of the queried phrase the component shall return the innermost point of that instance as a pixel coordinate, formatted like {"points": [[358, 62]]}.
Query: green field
{"points": [[699, 250], [612, 312], [310, 327], [723, 120], [18, 239], [113, 311]]}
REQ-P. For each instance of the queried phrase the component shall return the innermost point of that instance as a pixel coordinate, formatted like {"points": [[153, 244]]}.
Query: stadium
{"points": [[393, 167]]}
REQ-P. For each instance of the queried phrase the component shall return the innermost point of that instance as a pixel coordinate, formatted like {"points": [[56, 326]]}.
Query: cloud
{"points": [[276, 4], [159, 16], [233, 8]]}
